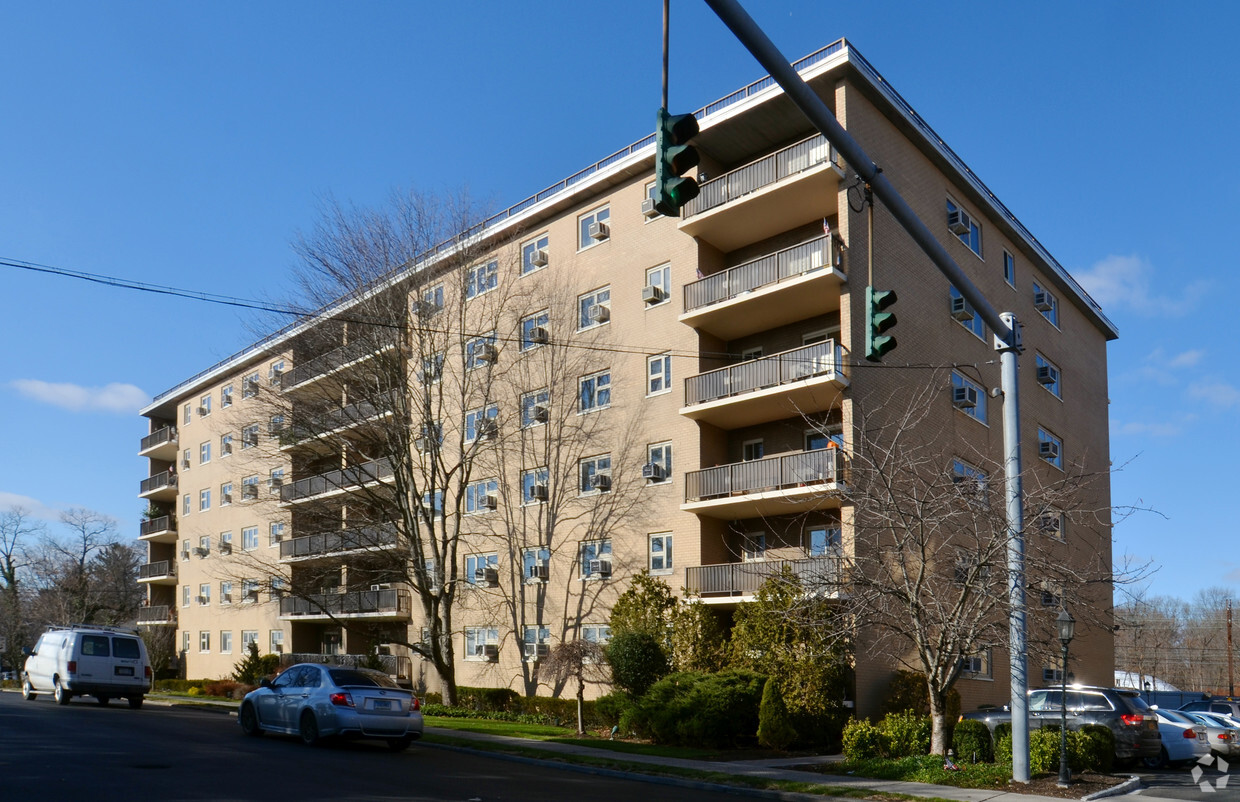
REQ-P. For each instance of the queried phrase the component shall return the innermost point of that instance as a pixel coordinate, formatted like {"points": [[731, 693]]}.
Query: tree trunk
{"points": [[581, 703], [938, 723]]}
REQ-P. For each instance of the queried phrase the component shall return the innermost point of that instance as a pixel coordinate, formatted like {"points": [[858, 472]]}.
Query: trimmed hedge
{"points": [[862, 740], [971, 742], [695, 709], [505, 704]]}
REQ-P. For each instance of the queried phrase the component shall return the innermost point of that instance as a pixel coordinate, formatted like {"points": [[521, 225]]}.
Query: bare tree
{"points": [[86, 576], [17, 533], [578, 660]]}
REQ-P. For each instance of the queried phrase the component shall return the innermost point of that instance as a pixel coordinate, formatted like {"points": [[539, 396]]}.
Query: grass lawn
{"points": [[567, 735]]}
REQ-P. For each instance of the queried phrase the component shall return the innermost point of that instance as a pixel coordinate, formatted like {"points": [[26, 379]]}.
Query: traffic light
{"points": [[877, 321], [673, 156]]}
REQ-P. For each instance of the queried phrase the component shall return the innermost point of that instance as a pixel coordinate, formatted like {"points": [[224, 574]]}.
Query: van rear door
{"points": [[127, 665], [94, 659]]}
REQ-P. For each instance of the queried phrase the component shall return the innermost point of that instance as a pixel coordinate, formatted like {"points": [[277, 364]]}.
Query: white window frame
{"points": [[541, 320], [226, 592], [753, 450], [1051, 523], [1052, 314], [534, 637], [248, 482], [275, 641], [978, 412], [660, 556], [753, 547], [478, 637], [596, 633], [1045, 436], [274, 371], [226, 447], [225, 641], [186, 504], [531, 558], [529, 480], [474, 348], [1055, 387], [972, 240], [226, 393], [599, 396], [275, 533], [249, 538], [658, 374], [204, 641], [601, 214], [204, 499], [481, 279], [475, 416], [204, 453], [660, 277], [248, 636], [977, 666], [1009, 268], [587, 301], [974, 480], [589, 468], [204, 595], [975, 325], [832, 537], [593, 550], [537, 398], [539, 243], [661, 454], [431, 301], [249, 385], [476, 491], [204, 406], [248, 441], [187, 413]]}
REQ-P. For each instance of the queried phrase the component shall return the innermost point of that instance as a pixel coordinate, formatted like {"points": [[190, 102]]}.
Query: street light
{"points": [[1067, 628]]}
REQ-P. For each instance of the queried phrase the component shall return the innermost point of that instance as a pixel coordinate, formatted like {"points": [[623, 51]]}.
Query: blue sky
{"points": [[186, 144]]}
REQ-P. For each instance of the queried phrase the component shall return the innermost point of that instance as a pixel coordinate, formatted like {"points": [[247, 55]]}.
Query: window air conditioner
{"points": [[1049, 524], [201, 599], [275, 482], [600, 567], [382, 586], [599, 231], [538, 570], [488, 502], [959, 222], [203, 411], [600, 314], [201, 552], [538, 336], [487, 429], [226, 598], [1047, 375], [1048, 450], [652, 471], [225, 547], [971, 665], [962, 310], [490, 651], [279, 648], [421, 442], [653, 295], [251, 595], [486, 354], [425, 309], [185, 555], [1043, 301], [538, 258], [964, 397], [486, 576], [648, 210], [538, 492], [601, 482], [541, 413]]}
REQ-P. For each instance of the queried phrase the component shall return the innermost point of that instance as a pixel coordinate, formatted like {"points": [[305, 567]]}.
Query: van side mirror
{"points": [[27, 651]]}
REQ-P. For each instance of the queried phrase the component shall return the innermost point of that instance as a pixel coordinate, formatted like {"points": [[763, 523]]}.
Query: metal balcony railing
{"points": [[760, 475], [332, 542], [155, 614], [768, 371], [164, 523], [168, 434], [744, 579], [159, 481], [330, 420], [761, 173], [157, 570], [328, 362], [357, 602], [394, 665], [763, 272], [336, 480]]}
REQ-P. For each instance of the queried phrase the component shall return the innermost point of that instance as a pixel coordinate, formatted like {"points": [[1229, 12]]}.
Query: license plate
{"points": [[381, 704], [124, 671]]}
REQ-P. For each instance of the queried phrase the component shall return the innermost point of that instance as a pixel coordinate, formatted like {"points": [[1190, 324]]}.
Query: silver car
{"points": [[317, 702], [1222, 733]]}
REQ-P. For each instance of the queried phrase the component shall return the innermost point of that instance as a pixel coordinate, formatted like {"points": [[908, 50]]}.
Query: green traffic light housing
{"points": [[877, 322], [673, 156]]}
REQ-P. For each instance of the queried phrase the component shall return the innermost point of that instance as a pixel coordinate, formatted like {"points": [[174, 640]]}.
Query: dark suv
{"points": [[1135, 726]]}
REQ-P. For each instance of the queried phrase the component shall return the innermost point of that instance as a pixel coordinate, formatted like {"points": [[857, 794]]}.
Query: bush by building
{"points": [[775, 730], [972, 743]]}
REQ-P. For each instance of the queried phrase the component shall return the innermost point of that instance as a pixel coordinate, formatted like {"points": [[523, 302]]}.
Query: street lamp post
{"points": [[1067, 628]]}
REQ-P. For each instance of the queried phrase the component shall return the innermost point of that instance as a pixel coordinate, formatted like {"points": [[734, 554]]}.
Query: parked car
{"points": [[317, 702], [1228, 707], [1124, 711], [104, 662], [1222, 733], [1183, 740]]}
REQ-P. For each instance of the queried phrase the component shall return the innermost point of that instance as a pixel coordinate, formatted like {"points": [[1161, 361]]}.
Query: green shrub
{"points": [[971, 742], [251, 669], [1003, 746], [488, 699], [694, 709], [905, 734], [611, 707], [907, 691], [862, 740], [1097, 748], [1044, 750], [775, 730], [637, 662]]}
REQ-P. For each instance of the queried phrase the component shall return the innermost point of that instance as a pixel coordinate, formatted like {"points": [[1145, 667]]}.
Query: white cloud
{"points": [[1158, 366], [1216, 392], [34, 507], [1129, 282], [1187, 359], [115, 397], [1149, 429]]}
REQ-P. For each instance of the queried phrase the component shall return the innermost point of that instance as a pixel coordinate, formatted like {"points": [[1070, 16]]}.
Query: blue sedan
{"points": [[317, 702]]}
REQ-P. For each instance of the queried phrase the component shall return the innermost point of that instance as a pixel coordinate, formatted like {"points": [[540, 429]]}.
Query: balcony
{"points": [[398, 667], [734, 582], [777, 193], [160, 487], [800, 381], [331, 544], [792, 483], [158, 530], [393, 604], [156, 615], [332, 422], [163, 572], [330, 362], [160, 444], [781, 287], [334, 482]]}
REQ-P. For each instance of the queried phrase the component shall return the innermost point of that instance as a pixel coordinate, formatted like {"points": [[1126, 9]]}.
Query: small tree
{"points": [[637, 662], [775, 730], [253, 667], [580, 660], [648, 607]]}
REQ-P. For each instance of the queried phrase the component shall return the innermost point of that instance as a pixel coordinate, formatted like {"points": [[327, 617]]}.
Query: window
{"points": [[226, 396], [185, 549], [185, 459], [204, 406], [481, 496], [480, 351], [226, 542], [1052, 594], [535, 408], [185, 594], [276, 588], [249, 592], [226, 494], [661, 279], [1009, 268], [276, 640], [249, 538], [249, 387], [976, 666], [1054, 675], [593, 227], [204, 500], [823, 541], [431, 302], [204, 595], [249, 436], [652, 213], [826, 437], [248, 636], [968, 571], [226, 445], [249, 487], [534, 486], [185, 504], [596, 633], [275, 425], [534, 330], [184, 642], [226, 641], [274, 372], [204, 545], [1050, 523], [594, 308], [275, 480], [1047, 375], [752, 450], [595, 392], [534, 254], [661, 552], [1046, 303], [660, 456], [204, 641], [482, 278], [480, 423], [966, 315], [276, 534], [534, 564], [1050, 448], [970, 481], [658, 374], [595, 559], [433, 504], [968, 397], [432, 369], [962, 224], [226, 593], [477, 639], [595, 474], [753, 547], [536, 643], [187, 413]]}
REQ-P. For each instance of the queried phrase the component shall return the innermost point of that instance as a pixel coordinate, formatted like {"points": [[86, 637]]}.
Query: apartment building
{"points": [[584, 389]]}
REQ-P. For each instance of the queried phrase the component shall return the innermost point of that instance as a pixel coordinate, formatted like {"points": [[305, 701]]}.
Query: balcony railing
{"points": [[158, 482], [764, 272], [156, 614], [164, 523], [335, 419], [762, 475], [768, 371], [369, 537], [157, 570], [394, 665], [357, 602], [744, 579], [328, 362], [168, 434], [761, 173], [337, 480]]}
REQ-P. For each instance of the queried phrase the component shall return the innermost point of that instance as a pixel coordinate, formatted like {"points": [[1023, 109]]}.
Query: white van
{"points": [[98, 661]]}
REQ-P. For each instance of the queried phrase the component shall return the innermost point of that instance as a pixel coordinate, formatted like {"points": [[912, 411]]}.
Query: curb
{"points": [[1133, 783]]}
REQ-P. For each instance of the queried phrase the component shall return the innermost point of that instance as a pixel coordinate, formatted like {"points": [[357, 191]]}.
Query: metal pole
{"points": [[1231, 676], [666, 27], [804, 98], [1065, 776]]}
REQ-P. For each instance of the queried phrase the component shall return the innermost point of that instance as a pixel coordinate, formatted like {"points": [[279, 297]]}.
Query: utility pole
{"points": [[1231, 668], [1005, 327]]}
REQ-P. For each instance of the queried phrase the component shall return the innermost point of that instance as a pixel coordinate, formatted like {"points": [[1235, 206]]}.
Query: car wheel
{"points": [[399, 744], [249, 721], [135, 702], [1157, 762], [103, 700], [28, 690], [59, 693], [309, 729]]}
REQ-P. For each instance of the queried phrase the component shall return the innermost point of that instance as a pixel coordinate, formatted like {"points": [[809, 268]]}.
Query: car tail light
{"points": [[417, 704], [1132, 720], [73, 666], [342, 699], [1190, 733], [148, 672], [1224, 737]]}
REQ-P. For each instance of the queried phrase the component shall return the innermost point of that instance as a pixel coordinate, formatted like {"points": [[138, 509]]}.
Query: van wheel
{"points": [[59, 693], [28, 690], [248, 719], [135, 703], [103, 700], [309, 729]]}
